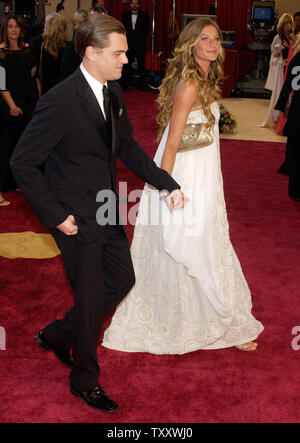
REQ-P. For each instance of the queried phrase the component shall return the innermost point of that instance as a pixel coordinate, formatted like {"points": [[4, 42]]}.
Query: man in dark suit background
{"points": [[137, 25], [212, 10], [78, 130]]}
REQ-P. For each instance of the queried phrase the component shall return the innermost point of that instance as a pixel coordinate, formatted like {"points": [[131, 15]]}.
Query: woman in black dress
{"points": [[19, 98], [54, 41], [70, 59], [291, 94]]}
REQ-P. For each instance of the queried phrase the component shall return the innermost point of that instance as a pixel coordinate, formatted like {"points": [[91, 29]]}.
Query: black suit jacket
{"points": [[138, 37], [69, 135]]}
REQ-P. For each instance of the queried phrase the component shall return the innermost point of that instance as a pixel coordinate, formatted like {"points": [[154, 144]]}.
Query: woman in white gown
{"points": [[190, 290]]}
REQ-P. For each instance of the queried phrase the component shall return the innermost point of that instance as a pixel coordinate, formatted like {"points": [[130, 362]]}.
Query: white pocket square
{"points": [[120, 112]]}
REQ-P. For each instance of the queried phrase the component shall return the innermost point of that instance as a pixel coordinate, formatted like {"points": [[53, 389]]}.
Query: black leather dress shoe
{"points": [[63, 355], [97, 398]]}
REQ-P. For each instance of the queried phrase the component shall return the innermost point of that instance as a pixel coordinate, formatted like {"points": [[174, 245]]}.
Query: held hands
{"points": [[68, 227], [175, 199]]}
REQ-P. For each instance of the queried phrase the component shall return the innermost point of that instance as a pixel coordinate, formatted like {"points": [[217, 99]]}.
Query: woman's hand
{"points": [[15, 111]]}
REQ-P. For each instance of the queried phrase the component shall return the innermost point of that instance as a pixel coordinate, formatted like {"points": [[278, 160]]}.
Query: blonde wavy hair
{"points": [[54, 35], [183, 66], [285, 18], [78, 17]]}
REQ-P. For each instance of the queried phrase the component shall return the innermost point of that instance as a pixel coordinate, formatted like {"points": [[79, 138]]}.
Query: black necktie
{"points": [[106, 102]]}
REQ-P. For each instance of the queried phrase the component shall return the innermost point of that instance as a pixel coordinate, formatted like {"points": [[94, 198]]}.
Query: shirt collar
{"points": [[94, 84]]}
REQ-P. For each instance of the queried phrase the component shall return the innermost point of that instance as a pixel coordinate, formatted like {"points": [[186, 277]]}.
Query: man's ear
{"points": [[90, 53]]}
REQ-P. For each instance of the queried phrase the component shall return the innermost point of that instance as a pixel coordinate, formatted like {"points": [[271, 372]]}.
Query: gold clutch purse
{"points": [[195, 136]]}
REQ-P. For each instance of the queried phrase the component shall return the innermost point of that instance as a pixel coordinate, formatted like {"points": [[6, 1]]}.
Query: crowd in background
{"points": [[35, 64], [288, 104], [282, 51], [284, 107]]}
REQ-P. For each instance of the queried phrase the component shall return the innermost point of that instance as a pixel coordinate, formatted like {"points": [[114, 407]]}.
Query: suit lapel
{"points": [[90, 105], [114, 109]]}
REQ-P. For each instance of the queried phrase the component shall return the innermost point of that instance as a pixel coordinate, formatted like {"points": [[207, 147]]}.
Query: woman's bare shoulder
{"points": [[187, 86], [186, 92]]}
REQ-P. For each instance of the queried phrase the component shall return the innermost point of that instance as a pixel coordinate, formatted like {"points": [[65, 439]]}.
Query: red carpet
{"points": [[204, 386]]}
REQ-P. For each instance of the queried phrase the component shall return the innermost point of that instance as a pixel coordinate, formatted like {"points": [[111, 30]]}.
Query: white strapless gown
{"points": [[190, 291]]}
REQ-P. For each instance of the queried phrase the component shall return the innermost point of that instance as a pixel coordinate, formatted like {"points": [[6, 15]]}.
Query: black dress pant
{"points": [[101, 274]]}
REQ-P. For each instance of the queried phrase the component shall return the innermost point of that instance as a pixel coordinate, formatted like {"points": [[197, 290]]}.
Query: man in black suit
{"points": [[212, 10], [79, 129], [137, 25]]}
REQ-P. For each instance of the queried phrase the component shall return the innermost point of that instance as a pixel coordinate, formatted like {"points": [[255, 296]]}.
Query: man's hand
{"points": [[15, 111], [68, 227], [175, 199]]}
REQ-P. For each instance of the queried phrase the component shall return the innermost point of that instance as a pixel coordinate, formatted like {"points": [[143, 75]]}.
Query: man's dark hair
{"points": [[95, 31]]}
